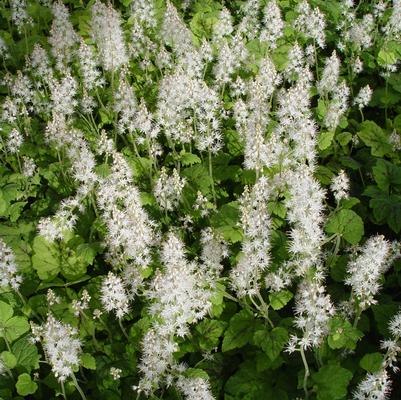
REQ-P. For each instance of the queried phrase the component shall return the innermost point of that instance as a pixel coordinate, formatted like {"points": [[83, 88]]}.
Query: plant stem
{"points": [[306, 376], [78, 387], [211, 176], [122, 328], [63, 390]]}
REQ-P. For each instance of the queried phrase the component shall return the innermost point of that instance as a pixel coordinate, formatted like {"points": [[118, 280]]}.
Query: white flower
{"points": [[113, 295], [340, 186], [62, 35], [365, 270], [88, 63], [330, 74], [168, 189], [194, 388], [9, 276], [108, 36], [256, 224], [115, 373], [311, 23], [273, 25], [61, 345], [14, 141], [364, 96]]}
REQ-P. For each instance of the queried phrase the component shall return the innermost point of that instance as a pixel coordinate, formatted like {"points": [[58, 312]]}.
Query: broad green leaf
{"points": [[342, 334], [387, 208], [225, 221], [25, 385], [46, 258], [209, 332], [325, 139], [271, 342], [386, 174], [332, 382], [8, 359], [374, 137], [26, 354], [347, 224], [6, 312], [189, 159], [240, 330], [371, 362], [386, 57], [15, 327], [88, 361], [279, 299]]}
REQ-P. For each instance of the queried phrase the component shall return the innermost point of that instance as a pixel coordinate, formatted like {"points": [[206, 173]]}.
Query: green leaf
{"points": [[240, 330], [347, 224], [374, 137], [25, 385], [225, 221], [26, 354], [9, 359], [279, 299], [209, 331], [88, 361], [371, 362], [46, 258], [387, 208], [271, 342], [386, 57], [342, 334], [6, 312], [331, 382], [189, 159], [325, 139], [386, 174], [15, 327]]}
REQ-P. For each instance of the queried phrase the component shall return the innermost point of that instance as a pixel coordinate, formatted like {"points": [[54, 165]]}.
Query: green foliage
{"points": [[332, 382], [347, 224]]}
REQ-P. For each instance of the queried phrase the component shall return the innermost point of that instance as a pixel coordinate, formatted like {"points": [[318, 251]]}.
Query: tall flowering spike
{"points": [[114, 296], [61, 345], [365, 271], [256, 224], [174, 32], [249, 26], [168, 189], [340, 186], [180, 294], [313, 310], [194, 388], [143, 11], [273, 25], [88, 65], [14, 141], [62, 35], [9, 277], [223, 26], [364, 96], [330, 74], [311, 22], [129, 230], [108, 36], [305, 213], [125, 104], [19, 15], [337, 106], [377, 385], [63, 94], [393, 27]]}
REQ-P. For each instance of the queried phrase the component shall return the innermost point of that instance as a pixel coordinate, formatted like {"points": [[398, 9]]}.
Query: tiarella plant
{"points": [[200, 199]]}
